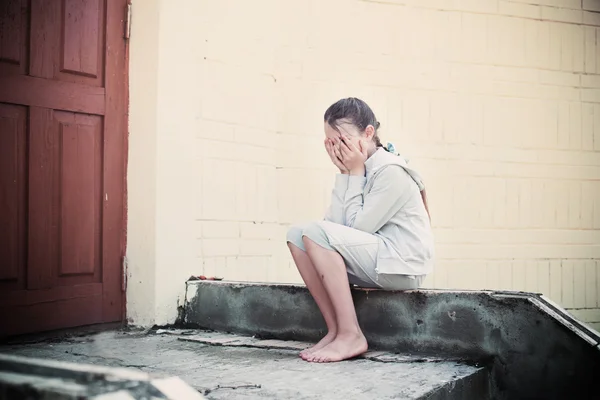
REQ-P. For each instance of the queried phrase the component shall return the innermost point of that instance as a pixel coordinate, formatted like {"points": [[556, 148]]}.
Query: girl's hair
{"points": [[355, 111], [359, 114]]}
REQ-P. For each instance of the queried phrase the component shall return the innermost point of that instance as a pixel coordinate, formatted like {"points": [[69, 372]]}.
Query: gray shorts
{"points": [[358, 249]]}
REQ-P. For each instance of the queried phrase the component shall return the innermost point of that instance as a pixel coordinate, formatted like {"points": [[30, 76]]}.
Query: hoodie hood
{"points": [[382, 158]]}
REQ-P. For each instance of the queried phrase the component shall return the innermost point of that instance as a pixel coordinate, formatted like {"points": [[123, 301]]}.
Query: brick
{"points": [[555, 281], [591, 18], [562, 205], [578, 46], [564, 122], [288, 63], [474, 38], [448, 39], [478, 6], [235, 152], [531, 276], [586, 314], [574, 204], [590, 49], [254, 230], [596, 128], [590, 81], [254, 106], [525, 187], [302, 151], [597, 52], [542, 47], [255, 137], [215, 130], [562, 15], [492, 275], [256, 247], [218, 190], [557, 36], [587, 127], [466, 275], [567, 284], [579, 284], [256, 268], [559, 78], [220, 247], [597, 267], [547, 205], [506, 275], [512, 203], [219, 229], [590, 95], [519, 9], [543, 277], [519, 273], [574, 4], [575, 126], [429, 280], [538, 219], [591, 5], [596, 197], [587, 205], [595, 326], [566, 33], [214, 266]]}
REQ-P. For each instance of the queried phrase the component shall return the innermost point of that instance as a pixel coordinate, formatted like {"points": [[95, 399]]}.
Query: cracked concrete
{"points": [[236, 372], [536, 350]]}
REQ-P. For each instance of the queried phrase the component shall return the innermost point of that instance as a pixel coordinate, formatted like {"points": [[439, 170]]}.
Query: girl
{"points": [[376, 233]]}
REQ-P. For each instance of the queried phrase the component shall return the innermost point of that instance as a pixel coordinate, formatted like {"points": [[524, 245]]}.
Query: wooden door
{"points": [[63, 105]]}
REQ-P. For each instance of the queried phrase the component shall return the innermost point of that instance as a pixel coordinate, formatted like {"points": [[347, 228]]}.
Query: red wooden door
{"points": [[63, 77]]}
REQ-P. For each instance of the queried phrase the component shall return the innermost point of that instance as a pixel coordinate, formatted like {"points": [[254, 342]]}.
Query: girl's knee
{"points": [[294, 237], [315, 233]]}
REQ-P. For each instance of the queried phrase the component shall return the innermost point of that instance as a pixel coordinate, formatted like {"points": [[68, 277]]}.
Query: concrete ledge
{"points": [[420, 377], [534, 348], [27, 378]]}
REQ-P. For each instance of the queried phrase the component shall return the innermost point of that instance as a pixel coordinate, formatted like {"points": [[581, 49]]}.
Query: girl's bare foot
{"points": [[322, 343], [342, 348]]}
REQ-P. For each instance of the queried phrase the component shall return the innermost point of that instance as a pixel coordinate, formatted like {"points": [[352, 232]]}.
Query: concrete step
{"points": [[33, 378], [377, 374], [533, 348], [229, 367]]}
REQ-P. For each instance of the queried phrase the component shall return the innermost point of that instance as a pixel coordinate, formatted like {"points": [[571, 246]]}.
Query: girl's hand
{"points": [[335, 155], [353, 157]]}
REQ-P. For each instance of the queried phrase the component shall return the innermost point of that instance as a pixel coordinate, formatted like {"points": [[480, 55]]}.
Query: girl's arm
{"points": [[391, 190], [335, 213]]}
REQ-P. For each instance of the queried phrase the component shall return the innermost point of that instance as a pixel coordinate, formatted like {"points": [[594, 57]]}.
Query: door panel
{"points": [[13, 201], [14, 28], [63, 69], [68, 40], [65, 175], [80, 139]]}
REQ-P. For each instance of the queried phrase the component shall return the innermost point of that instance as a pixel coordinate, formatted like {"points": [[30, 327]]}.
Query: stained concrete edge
{"points": [[528, 342], [24, 376]]}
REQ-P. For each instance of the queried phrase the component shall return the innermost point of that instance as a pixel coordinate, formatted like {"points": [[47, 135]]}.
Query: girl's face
{"points": [[346, 129]]}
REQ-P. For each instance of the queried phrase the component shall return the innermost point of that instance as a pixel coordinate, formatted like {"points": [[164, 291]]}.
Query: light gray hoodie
{"points": [[387, 203]]}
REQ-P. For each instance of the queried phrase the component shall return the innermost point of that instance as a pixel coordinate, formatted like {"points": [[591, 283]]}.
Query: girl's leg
{"points": [[331, 269], [317, 290]]}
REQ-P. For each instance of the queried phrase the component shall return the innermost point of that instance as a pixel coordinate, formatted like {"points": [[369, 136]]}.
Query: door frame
{"points": [[117, 105]]}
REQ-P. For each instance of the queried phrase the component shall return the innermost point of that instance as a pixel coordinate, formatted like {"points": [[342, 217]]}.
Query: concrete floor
{"points": [[223, 372]]}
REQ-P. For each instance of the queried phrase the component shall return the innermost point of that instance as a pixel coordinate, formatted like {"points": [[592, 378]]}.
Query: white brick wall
{"points": [[496, 102]]}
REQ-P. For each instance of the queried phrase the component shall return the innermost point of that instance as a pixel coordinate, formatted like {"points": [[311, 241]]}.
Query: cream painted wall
{"points": [[496, 102]]}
